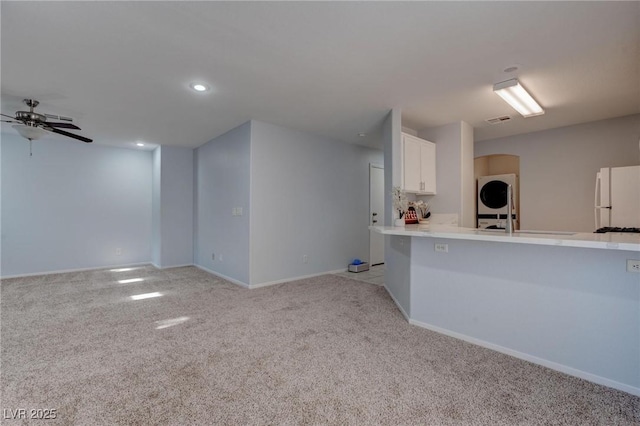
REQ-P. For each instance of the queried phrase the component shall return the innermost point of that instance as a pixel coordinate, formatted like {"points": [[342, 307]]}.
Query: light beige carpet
{"points": [[326, 350]]}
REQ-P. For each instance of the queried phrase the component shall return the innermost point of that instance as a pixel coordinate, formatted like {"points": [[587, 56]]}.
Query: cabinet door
{"points": [[428, 167], [411, 164]]}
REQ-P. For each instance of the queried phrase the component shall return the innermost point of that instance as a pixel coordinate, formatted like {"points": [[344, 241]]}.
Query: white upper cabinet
{"points": [[418, 165]]}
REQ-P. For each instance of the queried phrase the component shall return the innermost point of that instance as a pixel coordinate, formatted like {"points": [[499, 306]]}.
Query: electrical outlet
{"points": [[239, 211], [234, 212], [118, 251], [305, 258], [444, 248], [633, 265]]}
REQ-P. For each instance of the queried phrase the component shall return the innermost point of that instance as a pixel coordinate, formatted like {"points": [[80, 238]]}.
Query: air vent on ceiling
{"points": [[498, 120]]}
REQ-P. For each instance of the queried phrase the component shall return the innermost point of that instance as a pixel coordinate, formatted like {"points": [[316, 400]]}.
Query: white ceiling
{"points": [[122, 69]]}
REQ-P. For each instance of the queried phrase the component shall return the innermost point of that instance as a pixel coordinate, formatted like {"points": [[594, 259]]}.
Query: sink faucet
{"points": [[508, 228]]}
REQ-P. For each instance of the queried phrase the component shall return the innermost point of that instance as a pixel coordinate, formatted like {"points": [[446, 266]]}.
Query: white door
{"points": [[376, 213]]}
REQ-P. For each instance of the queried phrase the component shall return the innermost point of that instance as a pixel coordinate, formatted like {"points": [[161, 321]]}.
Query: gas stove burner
{"points": [[616, 229]]}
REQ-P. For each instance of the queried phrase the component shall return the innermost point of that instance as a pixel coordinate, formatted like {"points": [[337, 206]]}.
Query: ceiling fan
{"points": [[32, 125]]}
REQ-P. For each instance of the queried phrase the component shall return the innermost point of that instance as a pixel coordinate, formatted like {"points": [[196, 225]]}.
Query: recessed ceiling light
{"points": [[140, 144], [362, 134], [199, 87]]}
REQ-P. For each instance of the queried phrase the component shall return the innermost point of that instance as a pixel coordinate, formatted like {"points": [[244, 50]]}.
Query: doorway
{"points": [[376, 213]]}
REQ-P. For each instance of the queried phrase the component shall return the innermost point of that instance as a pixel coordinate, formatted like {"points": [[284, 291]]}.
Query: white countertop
{"points": [[610, 240]]}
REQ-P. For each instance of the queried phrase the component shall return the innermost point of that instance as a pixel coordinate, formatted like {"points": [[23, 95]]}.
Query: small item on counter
{"points": [[358, 266], [410, 216]]}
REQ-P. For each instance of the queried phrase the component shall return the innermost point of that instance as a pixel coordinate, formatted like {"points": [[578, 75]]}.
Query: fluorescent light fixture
{"points": [[132, 280], [140, 144], [145, 296], [30, 132], [199, 87], [515, 95], [170, 322]]}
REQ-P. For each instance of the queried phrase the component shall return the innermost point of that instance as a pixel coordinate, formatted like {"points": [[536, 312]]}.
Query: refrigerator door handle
{"points": [[596, 206]]}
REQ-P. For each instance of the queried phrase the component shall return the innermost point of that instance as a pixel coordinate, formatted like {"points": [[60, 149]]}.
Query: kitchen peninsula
{"points": [[562, 300]]}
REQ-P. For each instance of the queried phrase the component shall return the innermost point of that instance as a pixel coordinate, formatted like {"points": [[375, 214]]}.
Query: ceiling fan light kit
{"points": [[32, 133], [515, 95]]}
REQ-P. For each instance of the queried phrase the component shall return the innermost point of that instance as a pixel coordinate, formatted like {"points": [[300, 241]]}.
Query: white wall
{"points": [[558, 169], [176, 206], [71, 204], [309, 196], [222, 183]]}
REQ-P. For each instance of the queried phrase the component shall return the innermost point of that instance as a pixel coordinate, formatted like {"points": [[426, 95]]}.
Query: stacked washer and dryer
{"points": [[492, 200]]}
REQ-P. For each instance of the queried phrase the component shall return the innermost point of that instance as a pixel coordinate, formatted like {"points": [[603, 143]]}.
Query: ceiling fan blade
{"points": [[62, 125], [9, 116], [58, 117], [7, 121], [71, 135]]}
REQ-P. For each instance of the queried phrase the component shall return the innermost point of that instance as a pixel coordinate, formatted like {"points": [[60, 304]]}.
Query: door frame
{"points": [[369, 218]]}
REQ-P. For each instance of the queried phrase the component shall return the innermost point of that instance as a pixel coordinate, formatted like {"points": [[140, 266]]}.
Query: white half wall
{"points": [[309, 196], [71, 205], [558, 169], [576, 310]]}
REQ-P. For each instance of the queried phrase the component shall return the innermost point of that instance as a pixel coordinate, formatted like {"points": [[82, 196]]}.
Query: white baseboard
{"points": [[402, 311], [65, 271], [172, 266], [302, 277], [265, 284], [224, 277], [527, 357]]}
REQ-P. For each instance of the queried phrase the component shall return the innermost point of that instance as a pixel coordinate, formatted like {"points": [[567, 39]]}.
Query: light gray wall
{"points": [[454, 170], [574, 307], [392, 148], [72, 204], [558, 169], [468, 182], [309, 196], [397, 250], [222, 183], [176, 200], [156, 224]]}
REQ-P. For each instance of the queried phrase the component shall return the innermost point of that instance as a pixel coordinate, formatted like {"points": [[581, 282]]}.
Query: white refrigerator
{"points": [[617, 197]]}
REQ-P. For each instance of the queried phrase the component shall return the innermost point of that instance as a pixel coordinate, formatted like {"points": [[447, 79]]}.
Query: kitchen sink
{"points": [[501, 231], [545, 232]]}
